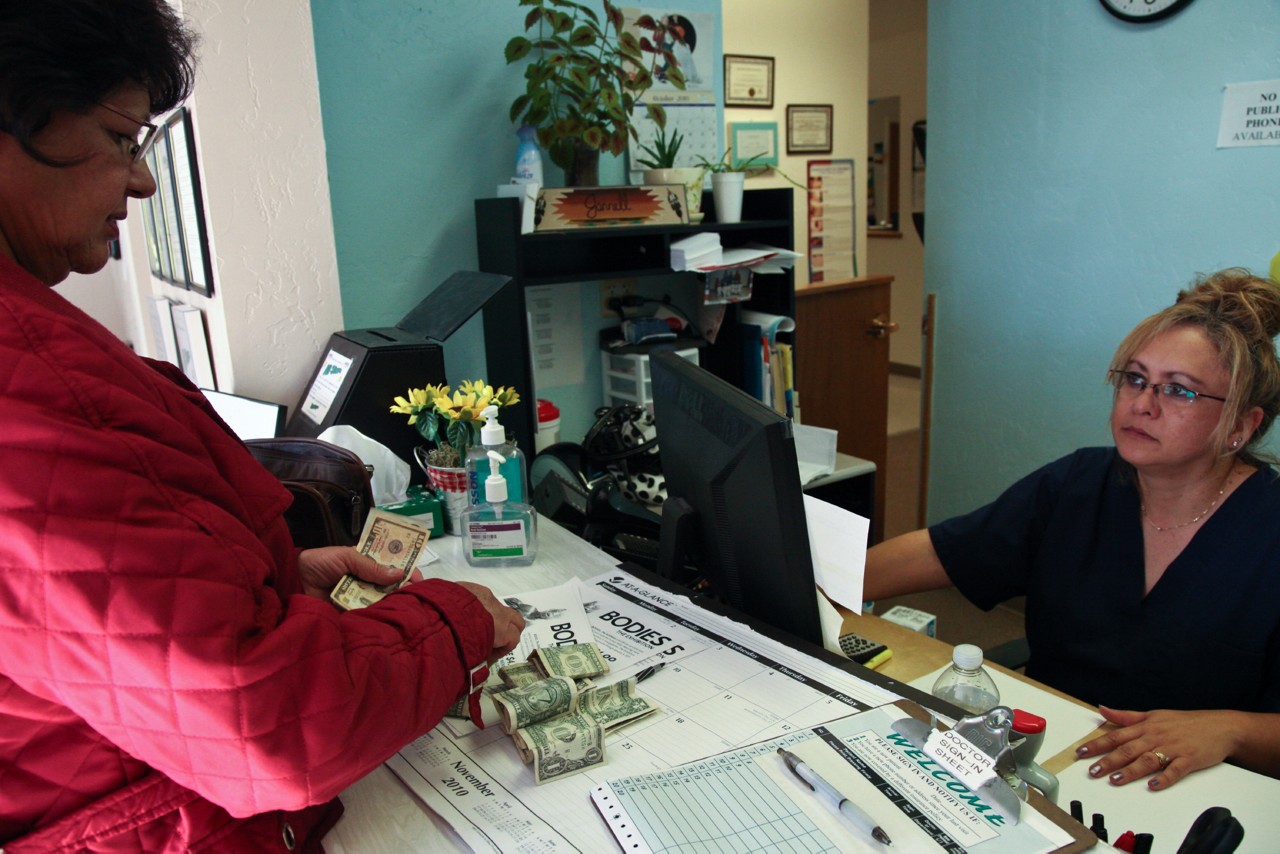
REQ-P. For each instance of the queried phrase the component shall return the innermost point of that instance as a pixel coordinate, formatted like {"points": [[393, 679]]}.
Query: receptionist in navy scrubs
{"points": [[1151, 568]]}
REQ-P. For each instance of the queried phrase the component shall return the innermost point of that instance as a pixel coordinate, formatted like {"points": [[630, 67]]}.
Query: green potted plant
{"points": [[728, 179], [662, 154], [660, 168], [583, 78]]}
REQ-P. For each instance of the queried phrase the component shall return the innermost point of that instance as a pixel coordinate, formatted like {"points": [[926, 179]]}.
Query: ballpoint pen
{"points": [[650, 670], [838, 801]]}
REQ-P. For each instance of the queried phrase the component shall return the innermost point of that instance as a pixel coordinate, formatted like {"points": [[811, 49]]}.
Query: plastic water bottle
{"points": [[966, 683]]}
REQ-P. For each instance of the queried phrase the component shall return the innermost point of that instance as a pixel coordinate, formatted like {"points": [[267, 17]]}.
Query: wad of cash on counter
{"points": [[555, 714]]}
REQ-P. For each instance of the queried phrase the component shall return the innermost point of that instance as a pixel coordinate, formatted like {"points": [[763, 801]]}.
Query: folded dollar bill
{"points": [[519, 674], [562, 747], [577, 660], [539, 701], [614, 706], [391, 540]]}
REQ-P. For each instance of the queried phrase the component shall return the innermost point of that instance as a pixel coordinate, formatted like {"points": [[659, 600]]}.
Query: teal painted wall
{"points": [[415, 97], [1074, 187]]}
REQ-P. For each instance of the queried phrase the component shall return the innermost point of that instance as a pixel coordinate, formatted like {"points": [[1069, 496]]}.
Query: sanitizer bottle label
{"points": [[497, 539]]}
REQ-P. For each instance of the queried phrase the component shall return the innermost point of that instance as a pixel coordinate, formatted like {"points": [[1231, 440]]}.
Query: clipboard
{"points": [[643, 811], [1083, 836]]}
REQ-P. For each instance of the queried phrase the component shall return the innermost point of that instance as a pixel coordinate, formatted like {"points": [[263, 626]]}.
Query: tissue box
{"points": [[916, 620], [423, 507]]}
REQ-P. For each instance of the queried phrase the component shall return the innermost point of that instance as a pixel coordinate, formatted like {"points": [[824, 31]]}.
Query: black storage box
{"points": [[363, 370]]}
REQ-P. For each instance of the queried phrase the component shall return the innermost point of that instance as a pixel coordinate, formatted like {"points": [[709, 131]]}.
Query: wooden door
{"points": [[842, 369]]}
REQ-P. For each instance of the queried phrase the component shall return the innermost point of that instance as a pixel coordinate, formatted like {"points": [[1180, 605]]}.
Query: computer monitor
{"points": [[734, 507], [249, 418]]}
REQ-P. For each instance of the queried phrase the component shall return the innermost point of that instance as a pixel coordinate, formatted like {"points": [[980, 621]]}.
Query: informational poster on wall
{"points": [[832, 236], [1250, 114]]}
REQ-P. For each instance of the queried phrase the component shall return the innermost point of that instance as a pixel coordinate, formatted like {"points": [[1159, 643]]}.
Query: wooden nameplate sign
{"points": [[562, 208]]}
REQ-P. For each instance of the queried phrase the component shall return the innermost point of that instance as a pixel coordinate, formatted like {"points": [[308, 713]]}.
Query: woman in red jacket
{"points": [[171, 674]]}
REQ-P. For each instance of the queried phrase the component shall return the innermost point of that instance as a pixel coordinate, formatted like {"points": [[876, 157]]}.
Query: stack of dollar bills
{"points": [[556, 715]]}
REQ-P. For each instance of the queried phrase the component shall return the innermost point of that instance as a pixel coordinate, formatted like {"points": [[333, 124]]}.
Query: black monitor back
{"points": [[732, 459]]}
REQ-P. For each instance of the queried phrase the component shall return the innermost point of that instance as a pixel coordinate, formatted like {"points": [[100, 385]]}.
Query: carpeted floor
{"points": [[958, 621]]}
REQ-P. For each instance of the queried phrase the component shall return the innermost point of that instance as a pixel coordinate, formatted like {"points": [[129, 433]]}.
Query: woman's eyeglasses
{"points": [[1134, 384], [138, 146]]}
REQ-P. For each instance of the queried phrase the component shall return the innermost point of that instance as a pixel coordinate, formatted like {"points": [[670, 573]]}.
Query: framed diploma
{"points": [[809, 128], [748, 81], [754, 142]]}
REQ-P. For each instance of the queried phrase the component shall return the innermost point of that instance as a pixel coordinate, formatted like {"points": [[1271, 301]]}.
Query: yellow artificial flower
{"points": [[428, 407]]}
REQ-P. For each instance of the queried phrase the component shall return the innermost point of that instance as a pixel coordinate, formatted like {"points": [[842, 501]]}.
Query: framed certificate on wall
{"points": [[748, 81], [809, 128]]}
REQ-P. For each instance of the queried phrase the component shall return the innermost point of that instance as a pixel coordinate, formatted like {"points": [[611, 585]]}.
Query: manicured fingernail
{"points": [[1117, 777], [1154, 783], [1095, 770], [1082, 751]]}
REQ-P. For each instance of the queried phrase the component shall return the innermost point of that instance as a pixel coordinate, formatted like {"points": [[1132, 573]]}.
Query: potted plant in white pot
{"points": [[660, 168], [583, 79], [728, 180]]}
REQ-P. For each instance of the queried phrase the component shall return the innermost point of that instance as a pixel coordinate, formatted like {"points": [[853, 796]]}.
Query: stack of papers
{"points": [[742, 256], [757, 256], [696, 250]]}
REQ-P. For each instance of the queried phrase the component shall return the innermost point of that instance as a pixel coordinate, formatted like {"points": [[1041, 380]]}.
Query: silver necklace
{"points": [[1198, 516]]}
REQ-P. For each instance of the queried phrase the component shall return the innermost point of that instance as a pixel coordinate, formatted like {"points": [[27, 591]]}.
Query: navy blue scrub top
{"points": [[1069, 537]]}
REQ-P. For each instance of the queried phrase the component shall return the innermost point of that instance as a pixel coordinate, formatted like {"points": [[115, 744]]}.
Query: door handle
{"points": [[879, 327]]}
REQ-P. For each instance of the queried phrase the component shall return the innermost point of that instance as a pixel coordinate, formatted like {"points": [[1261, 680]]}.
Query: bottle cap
{"points": [[495, 485], [967, 656], [547, 411], [492, 433]]}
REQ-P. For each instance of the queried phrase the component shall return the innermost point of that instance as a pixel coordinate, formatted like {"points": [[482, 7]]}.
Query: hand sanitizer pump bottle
{"points": [[499, 532], [493, 437]]}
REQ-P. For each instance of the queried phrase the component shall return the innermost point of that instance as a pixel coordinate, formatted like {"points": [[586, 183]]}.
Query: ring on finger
{"points": [[1161, 758]]}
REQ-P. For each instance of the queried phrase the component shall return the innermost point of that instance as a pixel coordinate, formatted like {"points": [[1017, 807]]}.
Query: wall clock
{"points": [[1143, 11]]}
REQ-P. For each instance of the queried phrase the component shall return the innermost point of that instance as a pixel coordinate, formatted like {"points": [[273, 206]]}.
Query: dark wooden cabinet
{"points": [[549, 258], [843, 330]]}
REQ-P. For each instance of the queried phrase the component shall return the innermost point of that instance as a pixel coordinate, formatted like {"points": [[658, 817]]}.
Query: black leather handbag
{"points": [[332, 493]]}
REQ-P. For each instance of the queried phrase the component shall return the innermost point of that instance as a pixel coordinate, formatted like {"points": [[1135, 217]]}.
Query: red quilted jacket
{"points": [[164, 684]]}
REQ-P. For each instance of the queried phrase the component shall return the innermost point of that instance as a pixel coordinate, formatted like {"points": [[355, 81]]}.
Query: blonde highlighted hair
{"points": [[1240, 314]]}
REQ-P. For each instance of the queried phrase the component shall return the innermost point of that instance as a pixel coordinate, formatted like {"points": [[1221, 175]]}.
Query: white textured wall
{"points": [[261, 145]]}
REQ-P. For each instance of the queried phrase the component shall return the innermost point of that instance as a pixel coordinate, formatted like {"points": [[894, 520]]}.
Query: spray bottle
{"points": [[499, 532], [493, 437]]}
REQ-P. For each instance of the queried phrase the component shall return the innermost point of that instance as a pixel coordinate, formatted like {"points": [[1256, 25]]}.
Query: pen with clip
{"points": [[650, 670], [839, 802]]}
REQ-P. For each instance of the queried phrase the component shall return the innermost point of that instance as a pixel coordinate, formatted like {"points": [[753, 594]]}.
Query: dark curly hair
{"points": [[65, 55]]}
